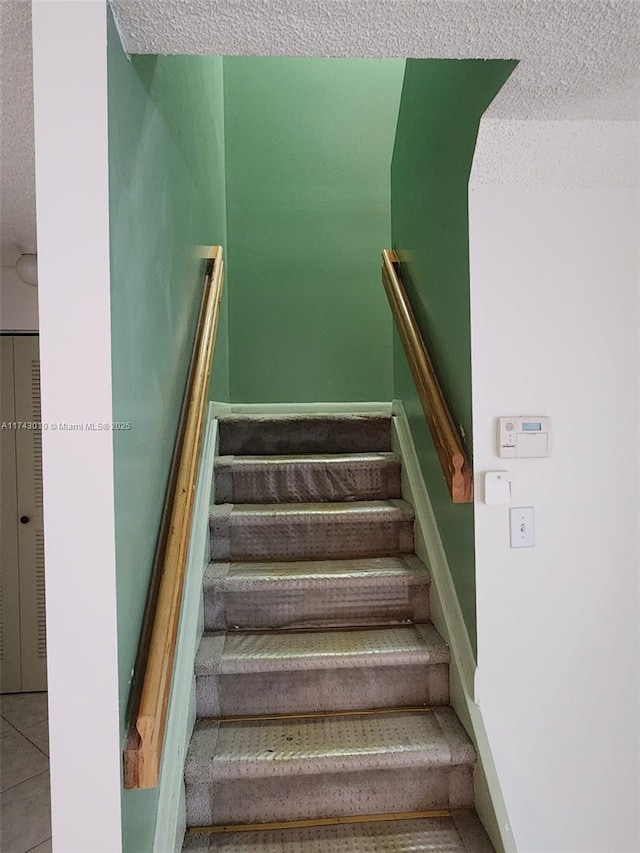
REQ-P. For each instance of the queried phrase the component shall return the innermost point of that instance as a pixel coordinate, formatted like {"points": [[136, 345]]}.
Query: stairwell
{"points": [[322, 688]]}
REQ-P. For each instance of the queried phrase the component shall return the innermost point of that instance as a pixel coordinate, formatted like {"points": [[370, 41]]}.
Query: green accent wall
{"points": [[440, 111], [166, 160], [308, 153]]}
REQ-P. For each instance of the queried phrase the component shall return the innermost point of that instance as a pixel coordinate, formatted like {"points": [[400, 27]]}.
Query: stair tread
{"points": [[231, 653], [312, 573], [459, 833], [333, 744], [383, 510], [295, 531]]}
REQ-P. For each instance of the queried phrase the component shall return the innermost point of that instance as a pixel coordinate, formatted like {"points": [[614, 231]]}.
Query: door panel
{"points": [[10, 667], [23, 647], [31, 534]]}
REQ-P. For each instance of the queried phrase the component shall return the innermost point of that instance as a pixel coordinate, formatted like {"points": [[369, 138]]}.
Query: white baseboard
{"points": [[447, 617], [171, 815], [221, 409]]}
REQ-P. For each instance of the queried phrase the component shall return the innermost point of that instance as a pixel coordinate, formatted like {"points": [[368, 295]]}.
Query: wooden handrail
{"points": [[451, 453], [154, 665]]}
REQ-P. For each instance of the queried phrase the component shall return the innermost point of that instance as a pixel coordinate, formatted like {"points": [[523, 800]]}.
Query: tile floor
{"points": [[25, 809]]}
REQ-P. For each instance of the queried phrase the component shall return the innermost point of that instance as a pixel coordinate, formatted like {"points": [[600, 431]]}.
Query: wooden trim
{"points": [[314, 629], [170, 825], [150, 700], [451, 453], [316, 715], [326, 821], [135, 690]]}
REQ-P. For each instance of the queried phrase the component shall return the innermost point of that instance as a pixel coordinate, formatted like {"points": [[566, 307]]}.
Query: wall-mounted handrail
{"points": [[151, 685], [451, 453]]}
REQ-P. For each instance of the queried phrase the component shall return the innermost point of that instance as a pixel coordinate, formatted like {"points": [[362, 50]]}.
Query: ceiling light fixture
{"points": [[27, 269]]}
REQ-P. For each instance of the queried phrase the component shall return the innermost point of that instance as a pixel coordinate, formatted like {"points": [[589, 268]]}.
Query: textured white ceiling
{"points": [[17, 169], [557, 153], [580, 59]]}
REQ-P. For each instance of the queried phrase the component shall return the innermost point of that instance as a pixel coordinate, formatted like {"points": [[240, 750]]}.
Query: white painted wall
{"points": [[554, 221], [70, 86]]}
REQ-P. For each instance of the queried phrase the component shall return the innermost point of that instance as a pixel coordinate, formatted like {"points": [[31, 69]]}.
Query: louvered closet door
{"points": [[23, 663], [10, 665], [30, 522]]}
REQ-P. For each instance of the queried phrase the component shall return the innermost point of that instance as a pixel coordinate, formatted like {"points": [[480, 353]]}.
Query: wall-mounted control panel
{"points": [[521, 437]]}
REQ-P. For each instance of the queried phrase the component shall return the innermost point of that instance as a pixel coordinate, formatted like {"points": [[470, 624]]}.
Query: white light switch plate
{"points": [[522, 527]]}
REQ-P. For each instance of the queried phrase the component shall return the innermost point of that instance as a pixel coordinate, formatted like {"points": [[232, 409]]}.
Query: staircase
{"points": [[322, 689]]}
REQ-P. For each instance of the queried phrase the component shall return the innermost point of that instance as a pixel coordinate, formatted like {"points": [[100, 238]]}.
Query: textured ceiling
{"points": [[579, 60], [17, 170], [557, 154]]}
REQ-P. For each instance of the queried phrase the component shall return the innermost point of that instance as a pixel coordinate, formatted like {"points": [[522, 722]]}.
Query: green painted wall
{"points": [[309, 145], [166, 159], [442, 103]]}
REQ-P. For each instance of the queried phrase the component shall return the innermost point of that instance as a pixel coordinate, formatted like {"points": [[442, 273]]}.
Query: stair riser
{"points": [[337, 794], [346, 605], [319, 538], [305, 691], [306, 484], [266, 437]]}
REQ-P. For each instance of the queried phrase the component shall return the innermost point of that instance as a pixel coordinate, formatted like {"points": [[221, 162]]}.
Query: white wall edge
{"points": [[446, 615], [171, 815], [74, 291], [222, 409]]}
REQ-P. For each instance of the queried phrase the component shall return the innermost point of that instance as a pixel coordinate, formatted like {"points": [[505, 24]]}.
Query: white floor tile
{"points": [[6, 728], [19, 760], [45, 847], [25, 819], [39, 735], [23, 709]]}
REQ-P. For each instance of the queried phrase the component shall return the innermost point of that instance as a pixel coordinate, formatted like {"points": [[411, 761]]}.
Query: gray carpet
{"points": [[317, 633]]}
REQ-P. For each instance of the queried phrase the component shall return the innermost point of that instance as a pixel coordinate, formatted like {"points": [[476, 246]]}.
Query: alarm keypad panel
{"points": [[524, 437]]}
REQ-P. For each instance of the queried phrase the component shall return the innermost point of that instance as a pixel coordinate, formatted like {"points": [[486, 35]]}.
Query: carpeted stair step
{"points": [[311, 530], [277, 434], [316, 593], [318, 477], [319, 767], [241, 674], [460, 832]]}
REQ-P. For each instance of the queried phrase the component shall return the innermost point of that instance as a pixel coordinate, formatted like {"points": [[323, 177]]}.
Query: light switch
{"points": [[522, 527]]}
